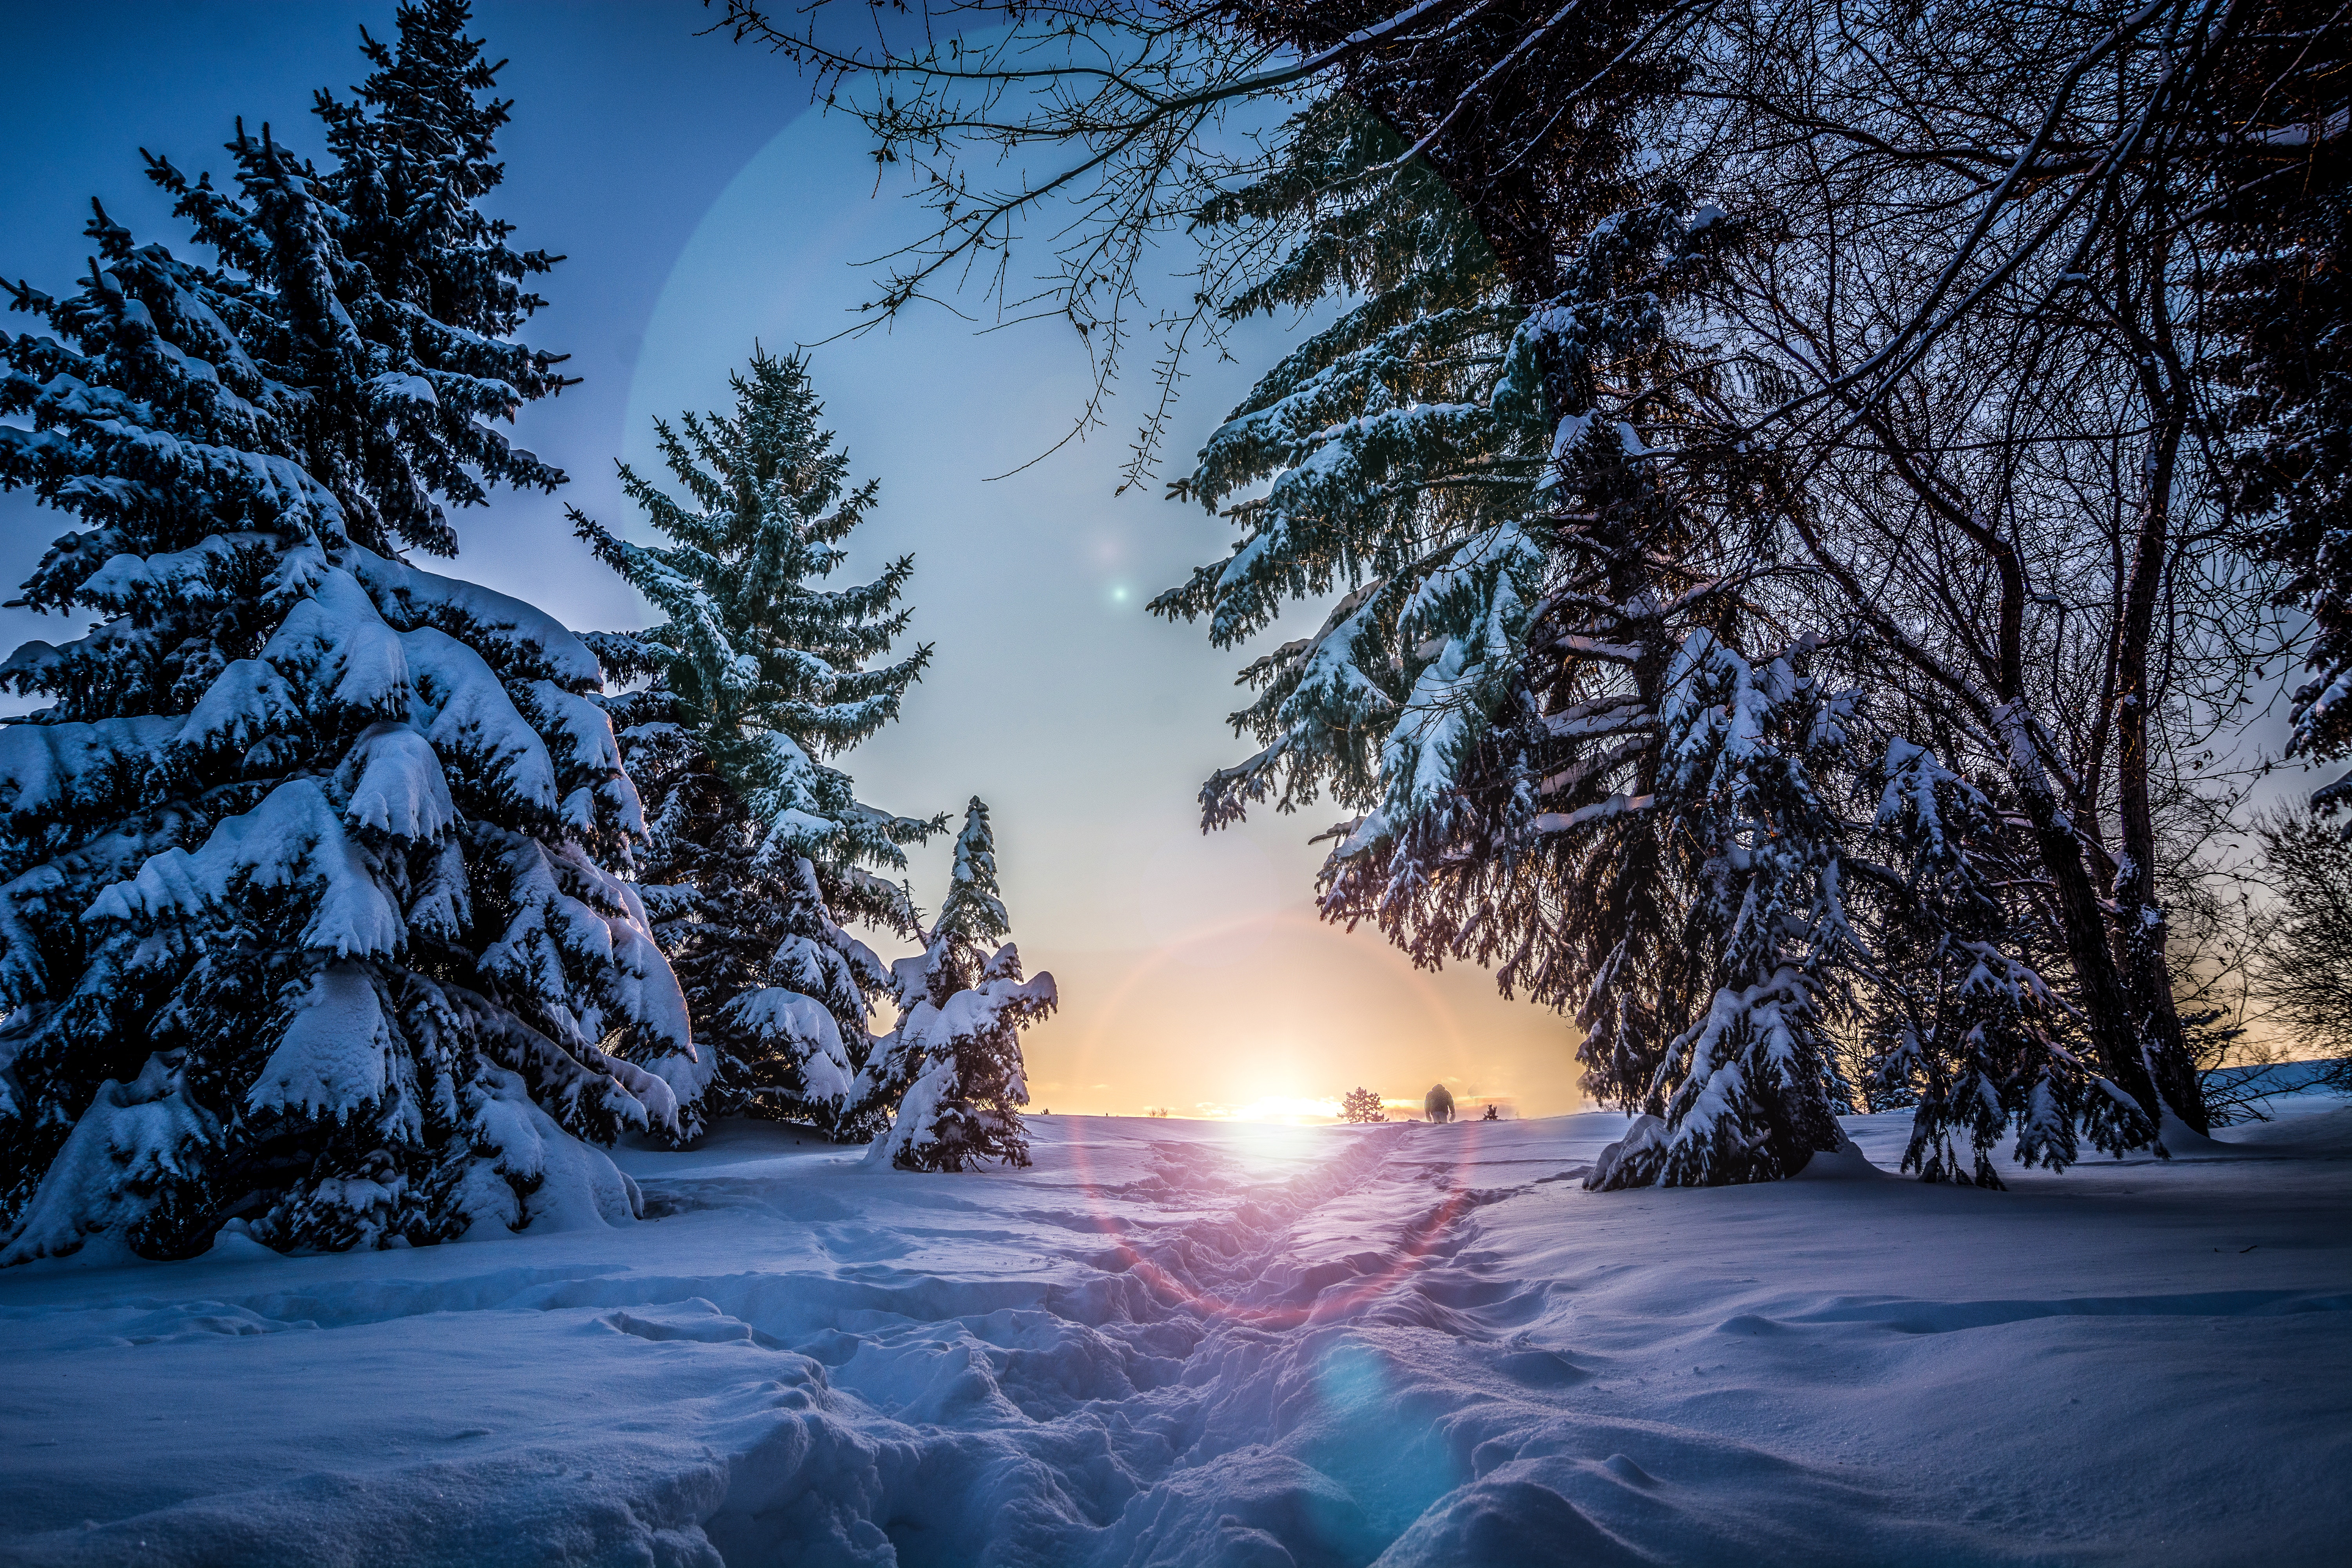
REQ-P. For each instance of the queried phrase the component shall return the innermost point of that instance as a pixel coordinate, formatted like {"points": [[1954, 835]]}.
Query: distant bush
{"points": [[1361, 1105]]}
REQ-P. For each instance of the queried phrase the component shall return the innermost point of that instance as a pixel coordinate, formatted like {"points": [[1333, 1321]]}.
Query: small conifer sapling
{"points": [[958, 1044]]}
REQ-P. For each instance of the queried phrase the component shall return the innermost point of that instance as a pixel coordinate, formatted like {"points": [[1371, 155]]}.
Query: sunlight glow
{"points": [[1296, 1111]]}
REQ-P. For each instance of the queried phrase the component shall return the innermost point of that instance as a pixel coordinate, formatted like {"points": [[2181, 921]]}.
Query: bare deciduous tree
{"points": [[1985, 380]]}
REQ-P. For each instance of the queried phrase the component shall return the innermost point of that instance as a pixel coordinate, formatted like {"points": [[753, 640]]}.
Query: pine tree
{"points": [[1533, 602], [1394, 478], [308, 911], [760, 848], [1543, 846], [1739, 751], [2283, 310], [1963, 1024], [957, 1048]]}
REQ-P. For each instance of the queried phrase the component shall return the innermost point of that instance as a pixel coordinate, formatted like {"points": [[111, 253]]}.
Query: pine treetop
{"points": [[1376, 430], [774, 673], [1416, 450], [334, 376], [1396, 478], [971, 918], [1352, 223], [413, 154]]}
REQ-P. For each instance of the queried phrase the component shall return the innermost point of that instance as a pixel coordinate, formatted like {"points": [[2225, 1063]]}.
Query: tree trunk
{"points": [[2140, 916], [2106, 1004]]}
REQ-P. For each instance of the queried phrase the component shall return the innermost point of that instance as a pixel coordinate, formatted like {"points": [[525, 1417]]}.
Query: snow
{"points": [[578, 1188], [800, 1024], [336, 1054], [519, 633], [293, 838], [49, 771], [472, 718], [141, 1132], [917, 1122], [1220, 1344], [401, 792], [249, 701], [970, 1014]]}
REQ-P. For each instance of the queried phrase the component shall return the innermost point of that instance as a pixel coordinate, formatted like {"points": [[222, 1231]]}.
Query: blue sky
{"points": [[701, 208]]}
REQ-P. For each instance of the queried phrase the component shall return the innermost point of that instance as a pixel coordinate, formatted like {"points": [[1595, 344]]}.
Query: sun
{"points": [[1294, 1110]]}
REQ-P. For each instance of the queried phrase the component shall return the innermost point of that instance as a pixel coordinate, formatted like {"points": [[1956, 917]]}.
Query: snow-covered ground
{"points": [[1196, 1342]]}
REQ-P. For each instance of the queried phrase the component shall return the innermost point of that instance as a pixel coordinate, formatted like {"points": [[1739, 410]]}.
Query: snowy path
{"points": [[1181, 1343]]}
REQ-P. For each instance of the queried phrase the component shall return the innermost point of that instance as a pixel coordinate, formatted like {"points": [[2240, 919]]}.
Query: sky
{"points": [[703, 207]]}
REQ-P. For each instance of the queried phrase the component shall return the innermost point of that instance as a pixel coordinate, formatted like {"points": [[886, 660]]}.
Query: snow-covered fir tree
{"points": [[2282, 311], [760, 850], [309, 912], [1758, 853], [1531, 599], [1959, 1020], [1394, 477], [957, 1049]]}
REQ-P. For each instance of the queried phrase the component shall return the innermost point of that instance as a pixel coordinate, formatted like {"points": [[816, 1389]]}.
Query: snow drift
{"points": [[1207, 1344]]}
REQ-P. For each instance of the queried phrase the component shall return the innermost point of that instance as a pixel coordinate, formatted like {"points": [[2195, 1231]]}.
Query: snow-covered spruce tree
{"points": [[958, 1044], [1533, 598], [1958, 1018], [759, 849], [2282, 308], [1390, 470], [308, 909], [1742, 751]]}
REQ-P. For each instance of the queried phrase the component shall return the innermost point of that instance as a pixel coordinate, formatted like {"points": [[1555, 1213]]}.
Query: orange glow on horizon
{"points": [[1272, 1018]]}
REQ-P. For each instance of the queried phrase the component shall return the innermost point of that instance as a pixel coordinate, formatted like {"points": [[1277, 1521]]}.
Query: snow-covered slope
{"points": [[1189, 1343]]}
